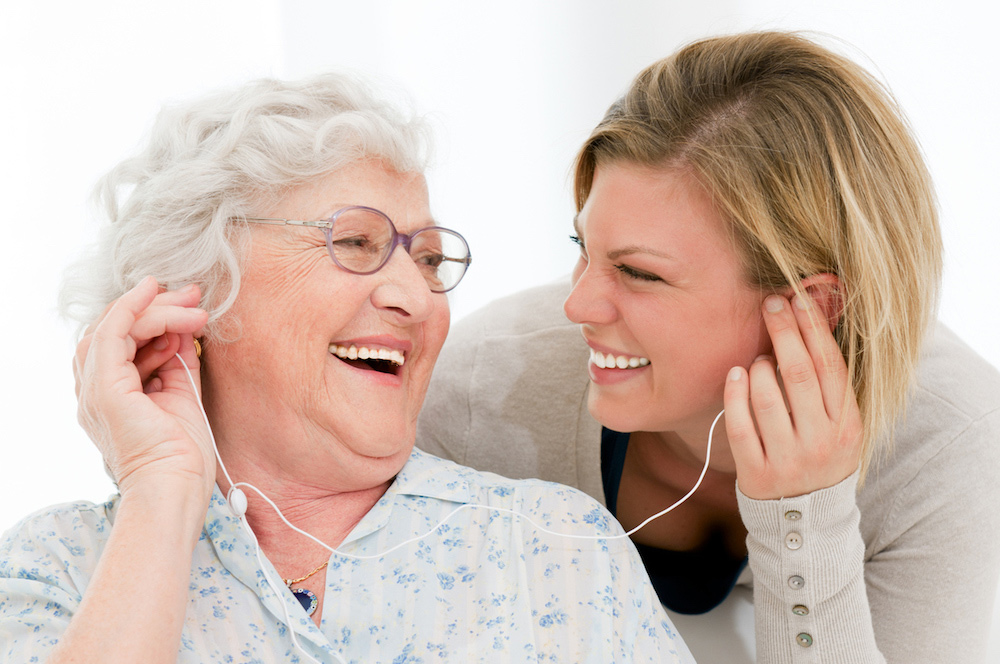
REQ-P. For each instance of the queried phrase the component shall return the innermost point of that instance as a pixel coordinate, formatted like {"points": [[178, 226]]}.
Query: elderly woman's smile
{"points": [[320, 350], [374, 358]]}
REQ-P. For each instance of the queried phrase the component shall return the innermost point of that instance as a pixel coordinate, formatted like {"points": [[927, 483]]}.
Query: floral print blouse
{"points": [[486, 586]]}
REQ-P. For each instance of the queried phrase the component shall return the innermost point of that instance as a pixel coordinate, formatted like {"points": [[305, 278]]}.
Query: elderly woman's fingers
{"points": [[153, 385], [106, 368], [158, 356], [135, 400], [153, 355], [112, 332], [186, 297], [159, 320], [173, 311]]}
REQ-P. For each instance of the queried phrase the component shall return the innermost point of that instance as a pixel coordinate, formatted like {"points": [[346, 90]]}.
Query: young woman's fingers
{"points": [[740, 429], [773, 421], [831, 370], [798, 375]]}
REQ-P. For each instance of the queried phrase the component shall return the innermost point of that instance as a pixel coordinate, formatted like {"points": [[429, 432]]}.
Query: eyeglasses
{"points": [[361, 239]]}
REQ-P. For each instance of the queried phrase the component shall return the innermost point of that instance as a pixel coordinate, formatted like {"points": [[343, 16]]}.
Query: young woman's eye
{"points": [[577, 240], [639, 275]]}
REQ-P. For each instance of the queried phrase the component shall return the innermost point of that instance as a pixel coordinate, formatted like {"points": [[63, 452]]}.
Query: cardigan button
{"points": [[796, 582], [793, 541], [793, 515], [800, 610], [804, 640]]}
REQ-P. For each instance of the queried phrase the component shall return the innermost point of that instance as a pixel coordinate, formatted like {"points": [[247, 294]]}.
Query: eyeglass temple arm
{"points": [[272, 221]]}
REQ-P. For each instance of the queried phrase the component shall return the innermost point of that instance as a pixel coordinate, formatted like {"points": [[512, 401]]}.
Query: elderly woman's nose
{"points": [[403, 287]]}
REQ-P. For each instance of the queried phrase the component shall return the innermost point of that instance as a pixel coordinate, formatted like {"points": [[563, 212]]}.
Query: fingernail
{"points": [[801, 303], [762, 357], [161, 343], [774, 304], [735, 374]]}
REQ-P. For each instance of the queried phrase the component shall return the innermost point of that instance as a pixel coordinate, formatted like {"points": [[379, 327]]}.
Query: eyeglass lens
{"points": [[361, 241]]}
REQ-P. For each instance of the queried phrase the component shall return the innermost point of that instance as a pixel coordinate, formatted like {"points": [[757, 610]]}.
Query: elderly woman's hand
{"points": [[135, 399], [815, 441]]}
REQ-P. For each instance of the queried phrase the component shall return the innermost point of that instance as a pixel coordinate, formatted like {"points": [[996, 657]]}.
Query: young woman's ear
{"points": [[825, 292]]}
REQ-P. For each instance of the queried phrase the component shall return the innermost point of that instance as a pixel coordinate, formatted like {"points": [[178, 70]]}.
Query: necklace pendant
{"points": [[307, 599]]}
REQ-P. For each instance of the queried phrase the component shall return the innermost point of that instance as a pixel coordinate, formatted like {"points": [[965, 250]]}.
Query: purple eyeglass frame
{"points": [[397, 239]]}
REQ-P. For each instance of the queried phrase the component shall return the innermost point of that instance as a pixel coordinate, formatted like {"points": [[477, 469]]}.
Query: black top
{"points": [[686, 581]]}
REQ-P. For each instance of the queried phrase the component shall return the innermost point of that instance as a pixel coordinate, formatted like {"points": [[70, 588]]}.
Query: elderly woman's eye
{"points": [[356, 246], [429, 259], [357, 241]]}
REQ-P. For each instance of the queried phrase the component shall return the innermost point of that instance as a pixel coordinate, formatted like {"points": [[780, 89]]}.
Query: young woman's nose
{"points": [[590, 301]]}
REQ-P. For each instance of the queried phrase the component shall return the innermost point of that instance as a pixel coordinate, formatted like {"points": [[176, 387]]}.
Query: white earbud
{"points": [[238, 502]]}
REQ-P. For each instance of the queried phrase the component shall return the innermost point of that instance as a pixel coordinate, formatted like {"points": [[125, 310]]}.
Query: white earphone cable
{"points": [[236, 495]]}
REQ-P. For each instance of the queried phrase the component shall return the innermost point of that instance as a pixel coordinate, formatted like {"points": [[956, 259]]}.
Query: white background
{"points": [[513, 90]]}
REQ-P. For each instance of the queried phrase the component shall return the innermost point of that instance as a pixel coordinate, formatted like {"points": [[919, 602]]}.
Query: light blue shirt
{"points": [[487, 586]]}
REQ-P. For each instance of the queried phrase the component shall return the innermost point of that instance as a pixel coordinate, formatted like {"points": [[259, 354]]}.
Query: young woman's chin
{"points": [[618, 413]]}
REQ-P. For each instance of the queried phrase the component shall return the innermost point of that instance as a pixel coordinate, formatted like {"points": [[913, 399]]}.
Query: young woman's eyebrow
{"points": [[638, 249], [624, 251]]}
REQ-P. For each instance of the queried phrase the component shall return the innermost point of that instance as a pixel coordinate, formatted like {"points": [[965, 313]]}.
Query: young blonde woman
{"points": [[758, 235]]}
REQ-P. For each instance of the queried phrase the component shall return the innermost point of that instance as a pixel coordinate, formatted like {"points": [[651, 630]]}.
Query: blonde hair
{"points": [[217, 159], [812, 163]]}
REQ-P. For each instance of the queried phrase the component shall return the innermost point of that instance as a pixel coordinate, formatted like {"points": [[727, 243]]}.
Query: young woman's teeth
{"points": [[353, 352], [609, 361]]}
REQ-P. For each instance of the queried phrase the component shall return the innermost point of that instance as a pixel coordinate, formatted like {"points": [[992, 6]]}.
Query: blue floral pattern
{"points": [[487, 586]]}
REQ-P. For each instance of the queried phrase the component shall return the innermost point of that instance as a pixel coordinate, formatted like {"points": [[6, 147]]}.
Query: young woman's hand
{"points": [[812, 442], [135, 400]]}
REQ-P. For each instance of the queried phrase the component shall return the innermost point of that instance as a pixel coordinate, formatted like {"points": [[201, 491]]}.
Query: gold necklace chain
{"points": [[291, 582]]}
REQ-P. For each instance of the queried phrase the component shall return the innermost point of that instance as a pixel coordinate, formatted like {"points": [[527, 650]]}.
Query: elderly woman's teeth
{"points": [[609, 361], [353, 352]]}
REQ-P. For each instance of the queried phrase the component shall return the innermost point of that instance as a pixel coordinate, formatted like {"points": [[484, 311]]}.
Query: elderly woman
{"points": [[751, 202], [302, 281]]}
